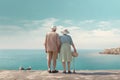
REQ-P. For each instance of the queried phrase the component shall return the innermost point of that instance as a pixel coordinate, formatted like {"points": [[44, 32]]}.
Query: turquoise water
{"points": [[87, 60]]}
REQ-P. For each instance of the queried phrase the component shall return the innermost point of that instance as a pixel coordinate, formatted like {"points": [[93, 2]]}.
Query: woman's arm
{"points": [[74, 47], [71, 42]]}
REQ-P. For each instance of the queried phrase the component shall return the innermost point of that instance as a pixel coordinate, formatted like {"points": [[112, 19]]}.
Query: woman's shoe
{"points": [[29, 68]]}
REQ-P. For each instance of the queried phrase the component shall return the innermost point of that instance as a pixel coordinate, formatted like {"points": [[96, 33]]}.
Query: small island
{"points": [[115, 51]]}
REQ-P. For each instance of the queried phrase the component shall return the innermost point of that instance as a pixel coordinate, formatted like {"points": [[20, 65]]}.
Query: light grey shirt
{"points": [[66, 39]]}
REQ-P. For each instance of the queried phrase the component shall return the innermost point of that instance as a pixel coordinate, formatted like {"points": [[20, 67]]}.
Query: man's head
{"points": [[53, 28]]}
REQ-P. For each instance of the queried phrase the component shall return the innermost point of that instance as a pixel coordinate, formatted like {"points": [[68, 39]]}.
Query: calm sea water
{"points": [[87, 60]]}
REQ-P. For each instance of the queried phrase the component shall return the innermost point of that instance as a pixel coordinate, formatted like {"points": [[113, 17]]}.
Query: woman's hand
{"points": [[75, 50]]}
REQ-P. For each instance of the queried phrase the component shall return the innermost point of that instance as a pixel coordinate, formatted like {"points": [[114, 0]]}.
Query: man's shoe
{"points": [[49, 71], [55, 71], [21, 68], [69, 72], [64, 72]]}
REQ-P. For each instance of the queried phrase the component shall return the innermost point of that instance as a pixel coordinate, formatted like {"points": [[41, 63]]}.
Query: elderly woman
{"points": [[65, 50]]}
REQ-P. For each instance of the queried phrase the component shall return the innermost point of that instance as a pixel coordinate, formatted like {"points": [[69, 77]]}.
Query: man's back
{"points": [[52, 41]]}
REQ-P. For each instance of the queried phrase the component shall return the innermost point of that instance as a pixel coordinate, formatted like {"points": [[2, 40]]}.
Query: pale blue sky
{"points": [[63, 9], [23, 23]]}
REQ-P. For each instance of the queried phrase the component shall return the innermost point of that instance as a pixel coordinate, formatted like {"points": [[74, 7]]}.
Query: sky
{"points": [[93, 24]]}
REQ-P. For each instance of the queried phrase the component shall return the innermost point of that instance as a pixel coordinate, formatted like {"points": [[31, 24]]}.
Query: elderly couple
{"points": [[55, 44]]}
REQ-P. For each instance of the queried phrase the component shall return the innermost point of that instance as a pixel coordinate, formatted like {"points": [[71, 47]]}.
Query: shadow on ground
{"points": [[96, 73]]}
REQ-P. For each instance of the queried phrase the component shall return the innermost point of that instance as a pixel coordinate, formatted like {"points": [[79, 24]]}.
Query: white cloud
{"points": [[87, 21], [68, 22], [32, 34], [104, 24], [49, 22], [96, 38], [9, 28]]}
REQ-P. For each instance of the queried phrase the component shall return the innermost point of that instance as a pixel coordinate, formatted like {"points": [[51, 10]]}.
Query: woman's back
{"points": [[66, 39]]}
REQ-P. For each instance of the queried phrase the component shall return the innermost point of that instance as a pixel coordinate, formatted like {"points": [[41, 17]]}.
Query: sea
{"points": [[88, 59]]}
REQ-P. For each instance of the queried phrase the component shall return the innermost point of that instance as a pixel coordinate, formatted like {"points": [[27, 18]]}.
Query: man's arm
{"points": [[58, 43], [45, 44]]}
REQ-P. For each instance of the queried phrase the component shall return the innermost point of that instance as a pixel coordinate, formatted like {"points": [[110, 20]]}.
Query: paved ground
{"points": [[44, 75]]}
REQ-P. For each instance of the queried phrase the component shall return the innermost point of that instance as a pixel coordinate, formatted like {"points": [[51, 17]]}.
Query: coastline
{"points": [[44, 75]]}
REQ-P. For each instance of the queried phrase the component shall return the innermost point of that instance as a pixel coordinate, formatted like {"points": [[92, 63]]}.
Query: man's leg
{"points": [[54, 62], [49, 58]]}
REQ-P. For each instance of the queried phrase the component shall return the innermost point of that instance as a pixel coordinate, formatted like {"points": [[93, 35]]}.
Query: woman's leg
{"points": [[64, 66], [69, 67]]}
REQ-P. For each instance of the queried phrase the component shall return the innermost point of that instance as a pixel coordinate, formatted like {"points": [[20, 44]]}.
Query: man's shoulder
{"points": [[57, 34], [52, 33], [48, 33]]}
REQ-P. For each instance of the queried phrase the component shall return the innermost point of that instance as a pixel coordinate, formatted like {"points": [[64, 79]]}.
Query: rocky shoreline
{"points": [[115, 51], [44, 75]]}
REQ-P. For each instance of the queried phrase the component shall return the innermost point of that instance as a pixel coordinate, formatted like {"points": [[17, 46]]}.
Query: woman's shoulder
{"points": [[65, 36], [68, 36]]}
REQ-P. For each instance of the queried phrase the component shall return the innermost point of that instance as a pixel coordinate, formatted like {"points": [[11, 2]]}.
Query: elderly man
{"points": [[52, 44]]}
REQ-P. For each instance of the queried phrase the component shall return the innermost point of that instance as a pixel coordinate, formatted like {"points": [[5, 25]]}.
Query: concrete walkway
{"points": [[44, 75]]}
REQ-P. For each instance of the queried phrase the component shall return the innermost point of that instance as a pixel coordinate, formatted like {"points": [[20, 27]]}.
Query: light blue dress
{"points": [[65, 50]]}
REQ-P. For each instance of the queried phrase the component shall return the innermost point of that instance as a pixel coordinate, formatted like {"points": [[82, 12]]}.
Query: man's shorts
{"points": [[52, 54]]}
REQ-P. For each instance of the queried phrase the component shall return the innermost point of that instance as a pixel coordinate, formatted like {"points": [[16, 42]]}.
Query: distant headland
{"points": [[111, 51]]}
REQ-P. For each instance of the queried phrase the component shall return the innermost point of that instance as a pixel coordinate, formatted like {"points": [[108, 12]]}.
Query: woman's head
{"points": [[65, 31]]}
